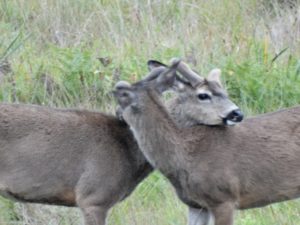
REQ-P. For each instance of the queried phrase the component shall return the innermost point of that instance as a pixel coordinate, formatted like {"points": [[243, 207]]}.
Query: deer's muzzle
{"points": [[233, 117]]}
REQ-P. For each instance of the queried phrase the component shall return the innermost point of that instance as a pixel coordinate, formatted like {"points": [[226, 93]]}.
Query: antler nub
{"points": [[175, 62], [188, 73], [122, 84]]}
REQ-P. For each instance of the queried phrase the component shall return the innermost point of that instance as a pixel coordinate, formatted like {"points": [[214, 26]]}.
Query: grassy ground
{"points": [[69, 53]]}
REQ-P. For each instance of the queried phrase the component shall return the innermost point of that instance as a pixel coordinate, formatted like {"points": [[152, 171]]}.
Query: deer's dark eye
{"points": [[203, 96]]}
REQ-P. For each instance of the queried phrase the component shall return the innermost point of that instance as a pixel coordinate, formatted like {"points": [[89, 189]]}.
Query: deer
{"points": [[81, 158], [215, 170]]}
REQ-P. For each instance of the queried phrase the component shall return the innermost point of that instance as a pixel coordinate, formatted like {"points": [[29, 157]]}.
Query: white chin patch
{"points": [[230, 123]]}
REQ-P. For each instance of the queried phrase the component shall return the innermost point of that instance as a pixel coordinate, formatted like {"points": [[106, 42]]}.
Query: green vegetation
{"points": [[69, 53]]}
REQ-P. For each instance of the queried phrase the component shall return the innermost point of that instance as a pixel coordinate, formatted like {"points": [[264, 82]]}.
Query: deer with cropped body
{"points": [[216, 169], [78, 157]]}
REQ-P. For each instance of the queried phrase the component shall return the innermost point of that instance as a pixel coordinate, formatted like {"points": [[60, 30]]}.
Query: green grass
{"points": [[69, 53]]}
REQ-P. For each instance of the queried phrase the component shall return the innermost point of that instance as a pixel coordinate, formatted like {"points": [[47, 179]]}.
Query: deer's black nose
{"points": [[235, 116]]}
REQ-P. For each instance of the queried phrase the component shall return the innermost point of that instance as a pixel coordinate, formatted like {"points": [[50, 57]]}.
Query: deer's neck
{"points": [[178, 114], [155, 131]]}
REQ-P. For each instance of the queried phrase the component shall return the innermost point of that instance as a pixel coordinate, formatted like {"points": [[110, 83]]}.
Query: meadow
{"points": [[70, 53]]}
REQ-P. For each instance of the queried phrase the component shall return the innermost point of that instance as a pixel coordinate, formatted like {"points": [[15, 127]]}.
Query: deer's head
{"points": [[199, 100]]}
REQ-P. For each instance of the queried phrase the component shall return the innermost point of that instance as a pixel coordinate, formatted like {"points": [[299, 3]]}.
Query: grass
{"points": [[70, 53]]}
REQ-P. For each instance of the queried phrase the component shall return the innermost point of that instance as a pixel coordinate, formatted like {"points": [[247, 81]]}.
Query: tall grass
{"points": [[69, 53]]}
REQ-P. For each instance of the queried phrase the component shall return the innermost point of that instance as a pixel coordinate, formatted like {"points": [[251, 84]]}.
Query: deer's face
{"points": [[207, 103], [201, 100]]}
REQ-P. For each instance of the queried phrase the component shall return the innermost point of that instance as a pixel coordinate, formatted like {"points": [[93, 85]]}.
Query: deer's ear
{"points": [[124, 94], [215, 75], [167, 79], [154, 64]]}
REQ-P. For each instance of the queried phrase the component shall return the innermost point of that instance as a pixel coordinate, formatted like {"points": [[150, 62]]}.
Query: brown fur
{"points": [[253, 164], [68, 157], [73, 157], [77, 157]]}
